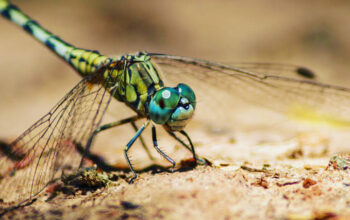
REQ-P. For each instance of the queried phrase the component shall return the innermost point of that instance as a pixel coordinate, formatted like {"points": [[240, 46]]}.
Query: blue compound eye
{"points": [[187, 92], [173, 107], [163, 103]]}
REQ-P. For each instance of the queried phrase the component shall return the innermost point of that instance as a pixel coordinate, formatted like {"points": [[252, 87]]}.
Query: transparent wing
{"points": [[279, 69], [34, 158], [223, 87]]}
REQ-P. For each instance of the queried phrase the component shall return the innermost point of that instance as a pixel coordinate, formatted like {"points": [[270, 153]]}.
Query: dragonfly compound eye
{"points": [[163, 104], [187, 92], [173, 107]]}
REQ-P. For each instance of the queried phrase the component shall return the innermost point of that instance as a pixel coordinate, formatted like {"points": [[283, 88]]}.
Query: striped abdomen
{"points": [[84, 61]]}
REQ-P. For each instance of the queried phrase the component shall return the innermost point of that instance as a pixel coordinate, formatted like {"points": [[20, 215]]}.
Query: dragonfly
{"points": [[34, 159]]}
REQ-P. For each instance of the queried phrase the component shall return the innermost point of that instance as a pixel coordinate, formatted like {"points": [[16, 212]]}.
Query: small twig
{"points": [[288, 183], [250, 169]]}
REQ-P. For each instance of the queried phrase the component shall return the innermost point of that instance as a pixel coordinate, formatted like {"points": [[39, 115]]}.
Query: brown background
{"points": [[310, 33], [32, 79]]}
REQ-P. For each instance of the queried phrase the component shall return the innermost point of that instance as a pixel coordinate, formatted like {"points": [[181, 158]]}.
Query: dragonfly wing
{"points": [[229, 85], [29, 163], [278, 69]]}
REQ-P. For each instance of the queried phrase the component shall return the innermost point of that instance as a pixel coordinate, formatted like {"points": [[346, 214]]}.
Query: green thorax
{"points": [[135, 79]]}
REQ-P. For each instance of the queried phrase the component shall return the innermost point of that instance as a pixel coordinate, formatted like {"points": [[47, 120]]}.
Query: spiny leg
{"points": [[142, 142], [184, 144], [128, 146], [179, 140], [102, 128], [155, 144], [191, 144]]}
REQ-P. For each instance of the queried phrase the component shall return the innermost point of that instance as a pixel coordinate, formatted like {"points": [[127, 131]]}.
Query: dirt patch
{"points": [[302, 188]]}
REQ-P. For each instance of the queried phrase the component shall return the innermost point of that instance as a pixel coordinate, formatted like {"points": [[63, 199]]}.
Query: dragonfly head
{"points": [[173, 107]]}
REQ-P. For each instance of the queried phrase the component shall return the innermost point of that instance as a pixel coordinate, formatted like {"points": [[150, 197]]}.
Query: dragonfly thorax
{"points": [[173, 107], [138, 84], [136, 80]]}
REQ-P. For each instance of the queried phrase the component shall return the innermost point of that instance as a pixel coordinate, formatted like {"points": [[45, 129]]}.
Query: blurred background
{"points": [[314, 34]]}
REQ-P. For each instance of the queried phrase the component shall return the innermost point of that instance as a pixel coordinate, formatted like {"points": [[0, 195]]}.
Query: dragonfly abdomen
{"points": [[84, 61]]}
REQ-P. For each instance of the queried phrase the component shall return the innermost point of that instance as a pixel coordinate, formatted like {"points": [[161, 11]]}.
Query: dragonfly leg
{"points": [[179, 140], [191, 144], [128, 146], [102, 128], [142, 141], [191, 148], [155, 144]]}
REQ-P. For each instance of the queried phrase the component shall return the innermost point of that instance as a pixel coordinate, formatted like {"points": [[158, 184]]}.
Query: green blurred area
{"points": [[309, 33]]}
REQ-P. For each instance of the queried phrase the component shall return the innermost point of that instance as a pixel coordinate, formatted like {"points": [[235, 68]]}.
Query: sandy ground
{"points": [[270, 170]]}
